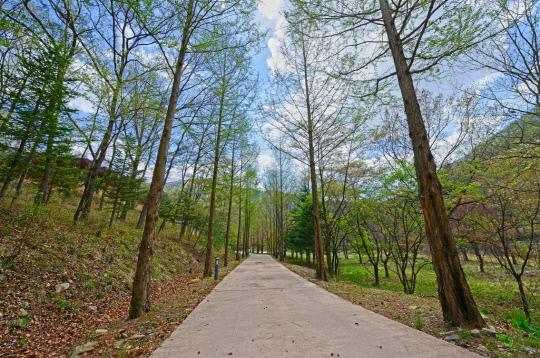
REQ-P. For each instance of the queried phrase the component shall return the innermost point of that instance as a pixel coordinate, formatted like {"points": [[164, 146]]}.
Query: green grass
{"points": [[418, 323]]}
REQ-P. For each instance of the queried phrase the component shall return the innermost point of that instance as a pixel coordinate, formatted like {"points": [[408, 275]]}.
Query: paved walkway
{"points": [[261, 309]]}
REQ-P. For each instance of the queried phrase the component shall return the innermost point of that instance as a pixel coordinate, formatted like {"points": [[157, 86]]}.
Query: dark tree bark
{"points": [[239, 220], [465, 256], [385, 263], [83, 209], [10, 175], [478, 255], [457, 302], [210, 241]]}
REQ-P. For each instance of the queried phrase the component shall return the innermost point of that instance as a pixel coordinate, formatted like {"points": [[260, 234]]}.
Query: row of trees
{"points": [[101, 95]]}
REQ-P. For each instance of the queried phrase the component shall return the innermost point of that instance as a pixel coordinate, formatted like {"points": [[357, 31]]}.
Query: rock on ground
{"points": [[82, 349], [61, 287]]}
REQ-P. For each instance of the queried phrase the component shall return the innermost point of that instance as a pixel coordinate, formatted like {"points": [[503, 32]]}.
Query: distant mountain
{"points": [[173, 186]]}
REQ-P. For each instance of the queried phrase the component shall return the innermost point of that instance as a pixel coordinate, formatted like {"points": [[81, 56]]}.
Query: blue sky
{"points": [[269, 16]]}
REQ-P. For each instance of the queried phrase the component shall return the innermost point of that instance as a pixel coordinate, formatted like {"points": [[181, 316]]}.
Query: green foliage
{"points": [[300, 236], [63, 304], [465, 334], [520, 321], [20, 323], [418, 323]]}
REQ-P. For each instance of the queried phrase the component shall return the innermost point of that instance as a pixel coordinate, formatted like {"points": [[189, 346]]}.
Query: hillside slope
{"points": [[72, 285]]}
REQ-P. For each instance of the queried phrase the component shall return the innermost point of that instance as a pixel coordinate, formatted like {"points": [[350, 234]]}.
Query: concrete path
{"points": [[262, 309]]}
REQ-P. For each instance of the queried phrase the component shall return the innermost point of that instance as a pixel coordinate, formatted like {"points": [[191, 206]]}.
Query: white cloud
{"points": [[487, 80], [265, 161], [270, 8], [277, 61], [82, 104]]}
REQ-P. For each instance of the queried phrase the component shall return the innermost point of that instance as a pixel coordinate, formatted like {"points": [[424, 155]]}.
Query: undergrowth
{"points": [[98, 263]]}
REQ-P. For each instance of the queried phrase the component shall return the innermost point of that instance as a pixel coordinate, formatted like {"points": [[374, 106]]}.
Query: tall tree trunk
{"points": [[106, 184], [239, 219], [117, 195], [327, 238], [20, 184], [276, 233], [244, 236], [27, 163], [321, 270], [457, 302], [41, 195], [42, 191], [386, 271], [246, 229], [183, 225], [465, 256], [281, 217], [210, 242], [523, 297], [140, 298], [47, 194], [83, 209], [229, 210]]}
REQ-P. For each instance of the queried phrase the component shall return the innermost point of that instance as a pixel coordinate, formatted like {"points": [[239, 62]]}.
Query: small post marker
{"points": [[216, 271]]}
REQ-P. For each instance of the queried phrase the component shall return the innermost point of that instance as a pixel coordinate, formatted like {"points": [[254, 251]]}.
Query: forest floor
{"points": [[38, 317], [422, 311]]}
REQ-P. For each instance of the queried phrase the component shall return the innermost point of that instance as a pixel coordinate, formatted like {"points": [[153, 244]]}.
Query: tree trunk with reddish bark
{"points": [[456, 299]]}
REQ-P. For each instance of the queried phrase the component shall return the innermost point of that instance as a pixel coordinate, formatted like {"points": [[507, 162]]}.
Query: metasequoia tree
{"points": [[308, 110], [419, 37]]}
